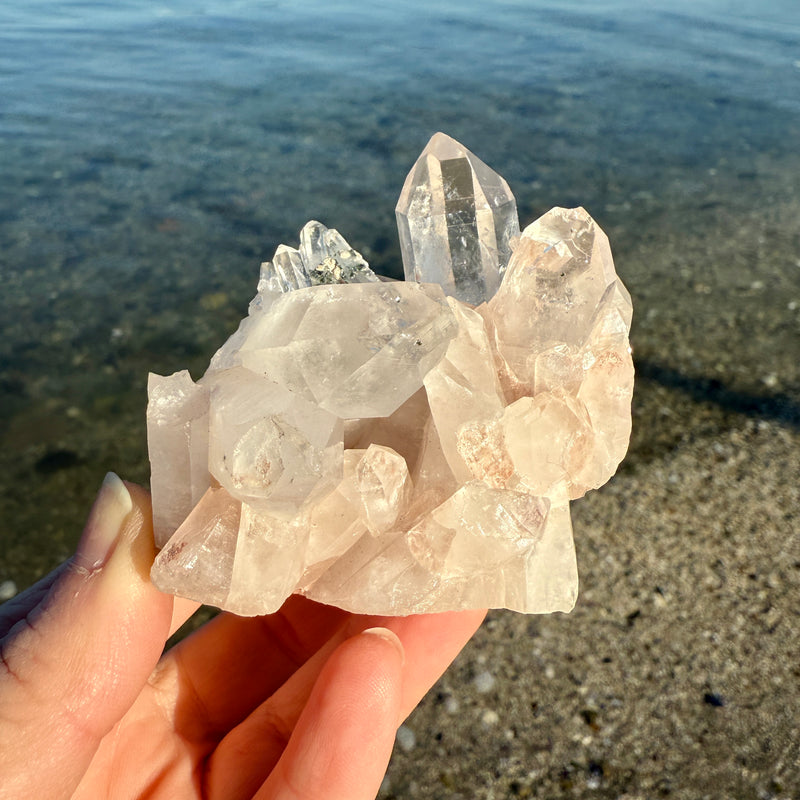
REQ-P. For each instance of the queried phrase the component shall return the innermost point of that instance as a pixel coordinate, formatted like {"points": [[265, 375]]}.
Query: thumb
{"points": [[82, 649]]}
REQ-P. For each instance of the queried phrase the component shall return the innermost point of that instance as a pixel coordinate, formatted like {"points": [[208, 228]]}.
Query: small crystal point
{"points": [[457, 220], [197, 561], [177, 436], [328, 258], [323, 257]]}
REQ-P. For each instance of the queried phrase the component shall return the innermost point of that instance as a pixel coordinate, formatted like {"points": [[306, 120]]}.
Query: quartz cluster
{"points": [[402, 447]]}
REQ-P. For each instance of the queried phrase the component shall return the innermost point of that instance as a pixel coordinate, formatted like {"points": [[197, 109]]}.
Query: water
{"points": [[151, 155]]}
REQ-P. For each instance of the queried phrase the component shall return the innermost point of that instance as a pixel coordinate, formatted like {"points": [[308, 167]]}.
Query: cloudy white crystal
{"points": [[389, 449]]}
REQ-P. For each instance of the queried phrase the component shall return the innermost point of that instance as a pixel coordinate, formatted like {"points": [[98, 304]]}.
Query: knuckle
{"points": [[40, 681], [273, 727]]}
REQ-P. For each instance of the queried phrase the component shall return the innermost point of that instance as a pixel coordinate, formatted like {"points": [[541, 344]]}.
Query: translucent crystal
{"points": [[388, 449], [463, 388], [268, 561], [267, 446], [379, 488], [559, 330], [177, 432], [198, 558], [559, 281], [478, 530], [323, 257], [356, 350], [531, 563], [457, 221]]}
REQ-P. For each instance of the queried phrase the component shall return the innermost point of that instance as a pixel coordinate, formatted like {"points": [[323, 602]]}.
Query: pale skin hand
{"points": [[300, 704]]}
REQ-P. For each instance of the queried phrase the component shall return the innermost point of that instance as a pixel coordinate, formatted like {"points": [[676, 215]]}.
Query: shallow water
{"points": [[152, 155]]}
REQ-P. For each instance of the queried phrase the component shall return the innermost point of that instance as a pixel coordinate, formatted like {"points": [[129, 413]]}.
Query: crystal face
{"points": [[397, 448], [457, 221]]}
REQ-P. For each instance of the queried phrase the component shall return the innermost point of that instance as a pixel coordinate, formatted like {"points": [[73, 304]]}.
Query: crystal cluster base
{"points": [[402, 447]]}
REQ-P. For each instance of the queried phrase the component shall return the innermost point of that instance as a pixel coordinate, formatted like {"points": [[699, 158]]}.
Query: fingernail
{"points": [[109, 512], [389, 636]]}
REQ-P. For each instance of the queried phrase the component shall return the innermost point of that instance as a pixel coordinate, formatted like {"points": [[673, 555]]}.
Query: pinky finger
{"points": [[341, 745]]}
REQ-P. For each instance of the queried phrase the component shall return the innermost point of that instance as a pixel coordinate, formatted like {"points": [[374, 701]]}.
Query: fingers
{"points": [[341, 745], [182, 609], [243, 760], [12, 611], [234, 663], [246, 756], [431, 642], [75, 660]]}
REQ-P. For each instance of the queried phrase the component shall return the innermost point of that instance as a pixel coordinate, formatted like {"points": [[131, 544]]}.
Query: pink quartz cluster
{"points": [[402, 447]]}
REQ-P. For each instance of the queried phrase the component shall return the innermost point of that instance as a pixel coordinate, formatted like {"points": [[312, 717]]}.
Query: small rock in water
{"points": [[8, 589]]}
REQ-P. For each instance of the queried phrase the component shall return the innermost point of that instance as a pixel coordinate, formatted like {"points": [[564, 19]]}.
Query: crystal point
{"points": [[323, 257], [387, 447], [198, 557], [457, 220]]}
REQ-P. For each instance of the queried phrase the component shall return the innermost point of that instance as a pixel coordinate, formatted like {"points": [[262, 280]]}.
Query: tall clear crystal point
{"points": [[457, 221]]}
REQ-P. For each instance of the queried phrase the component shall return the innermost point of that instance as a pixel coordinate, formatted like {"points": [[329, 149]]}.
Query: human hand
{"points": [[303, 703]]}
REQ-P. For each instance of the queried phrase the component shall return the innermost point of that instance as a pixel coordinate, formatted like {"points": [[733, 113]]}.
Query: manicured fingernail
{"points": [[389, 636], [109, 512]]}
